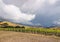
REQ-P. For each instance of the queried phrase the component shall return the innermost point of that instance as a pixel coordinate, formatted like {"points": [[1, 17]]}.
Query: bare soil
{"points": [[7, 36]]}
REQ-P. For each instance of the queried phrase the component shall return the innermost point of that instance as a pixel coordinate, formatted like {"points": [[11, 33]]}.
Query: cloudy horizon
{"points": [[32, 12]]}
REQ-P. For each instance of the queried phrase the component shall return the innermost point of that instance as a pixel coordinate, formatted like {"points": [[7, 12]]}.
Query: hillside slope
{"points": [[9, 23], [14, 24]]}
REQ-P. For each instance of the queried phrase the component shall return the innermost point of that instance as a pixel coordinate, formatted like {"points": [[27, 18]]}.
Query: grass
{"points": [[44, 31]]}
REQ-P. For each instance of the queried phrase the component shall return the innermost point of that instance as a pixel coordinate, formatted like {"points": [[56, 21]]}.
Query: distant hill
{"points": [[14, 24], [9, 23]]}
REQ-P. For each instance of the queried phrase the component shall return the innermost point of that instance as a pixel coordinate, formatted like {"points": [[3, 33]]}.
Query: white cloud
{"points": [[32, 5], [13, 13], [46, 11], [52, 1], [57, 22]]}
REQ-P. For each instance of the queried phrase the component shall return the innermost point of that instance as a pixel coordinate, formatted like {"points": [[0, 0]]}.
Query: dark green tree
{"points": [[17, 27]]}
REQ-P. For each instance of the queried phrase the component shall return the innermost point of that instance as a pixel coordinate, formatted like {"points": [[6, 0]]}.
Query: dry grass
{"points": [[9, 23], [7, 36]]}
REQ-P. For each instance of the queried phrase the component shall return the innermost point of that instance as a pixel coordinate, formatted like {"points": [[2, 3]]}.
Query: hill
{"points": [[9, 23], [15, 24]]}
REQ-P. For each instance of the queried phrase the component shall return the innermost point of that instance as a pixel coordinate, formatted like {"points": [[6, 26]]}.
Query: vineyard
{"points": [[45, 31]]}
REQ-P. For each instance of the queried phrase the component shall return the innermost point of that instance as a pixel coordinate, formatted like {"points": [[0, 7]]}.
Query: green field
{"points": [[44, 31]]}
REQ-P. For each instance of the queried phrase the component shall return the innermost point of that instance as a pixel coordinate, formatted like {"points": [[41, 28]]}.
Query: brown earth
{"points": [[7, 36]]}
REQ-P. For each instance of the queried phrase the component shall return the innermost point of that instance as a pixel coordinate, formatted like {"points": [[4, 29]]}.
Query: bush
{"points": [[22, 27], [17, 27], [4, 25], [10, 26]]}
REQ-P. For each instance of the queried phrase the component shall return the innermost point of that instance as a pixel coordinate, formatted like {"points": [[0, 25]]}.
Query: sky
{"points": [[32, 12]]}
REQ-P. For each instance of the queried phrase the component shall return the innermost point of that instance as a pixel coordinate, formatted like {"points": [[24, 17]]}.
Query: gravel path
{"points": [[7, 36]]}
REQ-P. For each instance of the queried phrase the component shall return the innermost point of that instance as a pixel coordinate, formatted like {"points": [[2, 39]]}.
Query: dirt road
{"points": [[7, 36]]}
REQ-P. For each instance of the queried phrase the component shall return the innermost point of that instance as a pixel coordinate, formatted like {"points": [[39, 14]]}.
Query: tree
{"points": [[4, 25], [10, 26], [17, 27], [22, 27]]}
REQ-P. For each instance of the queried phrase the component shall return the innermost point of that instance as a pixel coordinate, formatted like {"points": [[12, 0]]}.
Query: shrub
{"points": [[10, 26], [17, 27], [22, 27], [4, 25]]}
